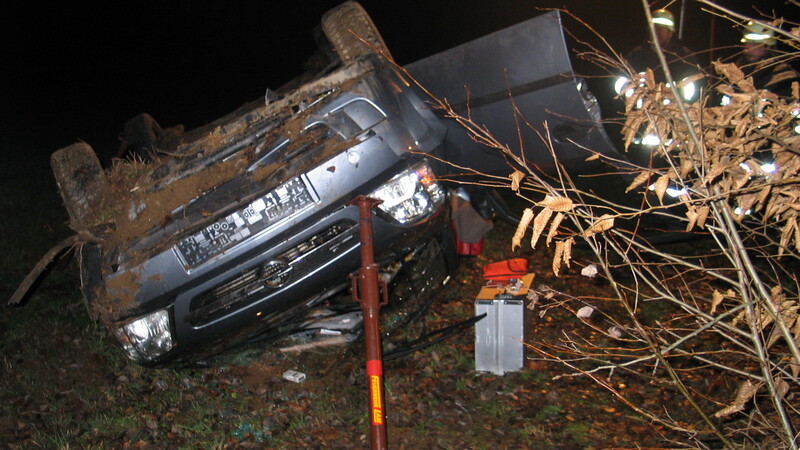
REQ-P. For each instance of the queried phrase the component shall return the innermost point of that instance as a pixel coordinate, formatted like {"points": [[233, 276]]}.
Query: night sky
{"points": [[77, 71]]}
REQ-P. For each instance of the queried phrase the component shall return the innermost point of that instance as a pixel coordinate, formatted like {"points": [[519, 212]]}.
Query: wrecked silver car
{"points": [[234, 227], [223, 233]]}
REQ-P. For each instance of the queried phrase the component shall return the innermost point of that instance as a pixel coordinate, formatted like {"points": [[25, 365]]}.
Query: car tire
{"points": [[82, 183], [346, 25]]}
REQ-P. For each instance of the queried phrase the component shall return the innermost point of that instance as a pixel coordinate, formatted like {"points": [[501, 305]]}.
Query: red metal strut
{"points": [[366, 289]]}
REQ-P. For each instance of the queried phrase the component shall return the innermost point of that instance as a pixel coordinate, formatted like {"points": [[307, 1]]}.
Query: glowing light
{"points": [[650, 140], [675, 193], [619, 84], [671, 191], [756, 37], [689, 90], [663, 21]]}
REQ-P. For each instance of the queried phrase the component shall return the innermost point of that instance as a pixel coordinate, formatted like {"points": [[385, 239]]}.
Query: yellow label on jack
{"points": [[375, 391]]}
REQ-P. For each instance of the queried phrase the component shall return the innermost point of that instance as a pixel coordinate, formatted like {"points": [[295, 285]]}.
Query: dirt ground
{"points": [[65, 385]]}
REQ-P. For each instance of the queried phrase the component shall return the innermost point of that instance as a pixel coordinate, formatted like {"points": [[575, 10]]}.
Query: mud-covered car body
{"points": [[243, 224], [248, 220]]}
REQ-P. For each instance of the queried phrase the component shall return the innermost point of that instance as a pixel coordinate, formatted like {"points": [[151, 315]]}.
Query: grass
{"points": [[549, 413], [535, 435], [578, 432]]}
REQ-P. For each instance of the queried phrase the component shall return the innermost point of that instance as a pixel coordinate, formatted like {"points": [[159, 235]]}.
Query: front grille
{"points": [[257, 282]]}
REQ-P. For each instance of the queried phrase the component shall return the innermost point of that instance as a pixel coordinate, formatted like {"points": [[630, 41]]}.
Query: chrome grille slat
{"points": [[254, 283]]}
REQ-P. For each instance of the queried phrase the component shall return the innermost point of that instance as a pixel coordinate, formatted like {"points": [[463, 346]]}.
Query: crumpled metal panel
{"points": [[530, 62]]}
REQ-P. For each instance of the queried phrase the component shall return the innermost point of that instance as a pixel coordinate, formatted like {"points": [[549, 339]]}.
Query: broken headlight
{"points": [[146, 338], [411, 195]]}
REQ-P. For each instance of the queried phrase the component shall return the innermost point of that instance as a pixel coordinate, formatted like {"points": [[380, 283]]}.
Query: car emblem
{"points": [[275, 273]]}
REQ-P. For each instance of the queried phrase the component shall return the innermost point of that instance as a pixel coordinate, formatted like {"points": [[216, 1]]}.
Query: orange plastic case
{"points": [[502, 271]]}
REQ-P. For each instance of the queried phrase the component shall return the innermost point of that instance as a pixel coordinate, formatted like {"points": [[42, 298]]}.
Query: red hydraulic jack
{"points": [[366, 288]]}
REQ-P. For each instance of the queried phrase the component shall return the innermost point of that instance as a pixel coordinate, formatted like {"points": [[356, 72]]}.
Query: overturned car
{"points": [[228, 231]]}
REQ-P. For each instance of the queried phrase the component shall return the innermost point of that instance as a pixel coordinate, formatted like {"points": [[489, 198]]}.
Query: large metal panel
{"points": [[499, 335], [530, 62]]}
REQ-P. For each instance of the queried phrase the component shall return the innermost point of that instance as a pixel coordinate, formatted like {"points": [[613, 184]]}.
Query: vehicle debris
{"points": [[294, 376]]}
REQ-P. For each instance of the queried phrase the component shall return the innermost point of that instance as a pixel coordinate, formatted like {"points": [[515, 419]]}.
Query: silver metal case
{"points": [[499, 335]]}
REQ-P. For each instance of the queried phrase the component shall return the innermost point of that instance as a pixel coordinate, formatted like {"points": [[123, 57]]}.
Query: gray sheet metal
{"points": [[529, 62]]}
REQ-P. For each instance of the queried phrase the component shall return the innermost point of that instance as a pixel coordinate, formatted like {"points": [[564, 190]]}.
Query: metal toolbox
{"points": [[499, 335]]}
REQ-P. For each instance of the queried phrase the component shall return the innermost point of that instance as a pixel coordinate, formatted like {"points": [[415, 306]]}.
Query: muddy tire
{"points": [[82, 183], [346, 25]]}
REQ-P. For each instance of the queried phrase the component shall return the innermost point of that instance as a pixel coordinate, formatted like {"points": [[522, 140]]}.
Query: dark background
{"points": [[76, 71]]}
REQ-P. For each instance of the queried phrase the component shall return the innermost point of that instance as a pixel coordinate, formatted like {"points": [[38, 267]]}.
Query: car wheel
{"points": [[82, 183], [346, 25]]}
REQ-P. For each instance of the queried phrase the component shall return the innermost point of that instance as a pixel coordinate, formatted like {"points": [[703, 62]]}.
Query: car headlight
{"points": [[411, 195], [146, 338]]}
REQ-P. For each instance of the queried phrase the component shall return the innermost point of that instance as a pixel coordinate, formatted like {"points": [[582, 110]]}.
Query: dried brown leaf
{"points": [[524, 221], [764, 194], [558, 204], [558, 257], [516, 178], [632, 126], [739, 317], [796, 236], [605, 222], [746, 391], [539, 223], [660, 187], [554, 227], [781, 386], [776, 295], [740, 179], [743, 124], [746, 202], [566, 256], [691, 214], [716, 300], [702, 216], [789, 315], [787, 233], [686, 166], [638, 181], [594, 157], [716, 169], [730, 71]]}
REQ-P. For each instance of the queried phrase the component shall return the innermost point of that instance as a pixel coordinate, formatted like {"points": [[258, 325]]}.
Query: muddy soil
{"points": [[64, 384]]}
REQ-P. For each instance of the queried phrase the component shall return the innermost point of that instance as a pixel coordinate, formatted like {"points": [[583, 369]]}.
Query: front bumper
{"points": [[258, 285]]}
